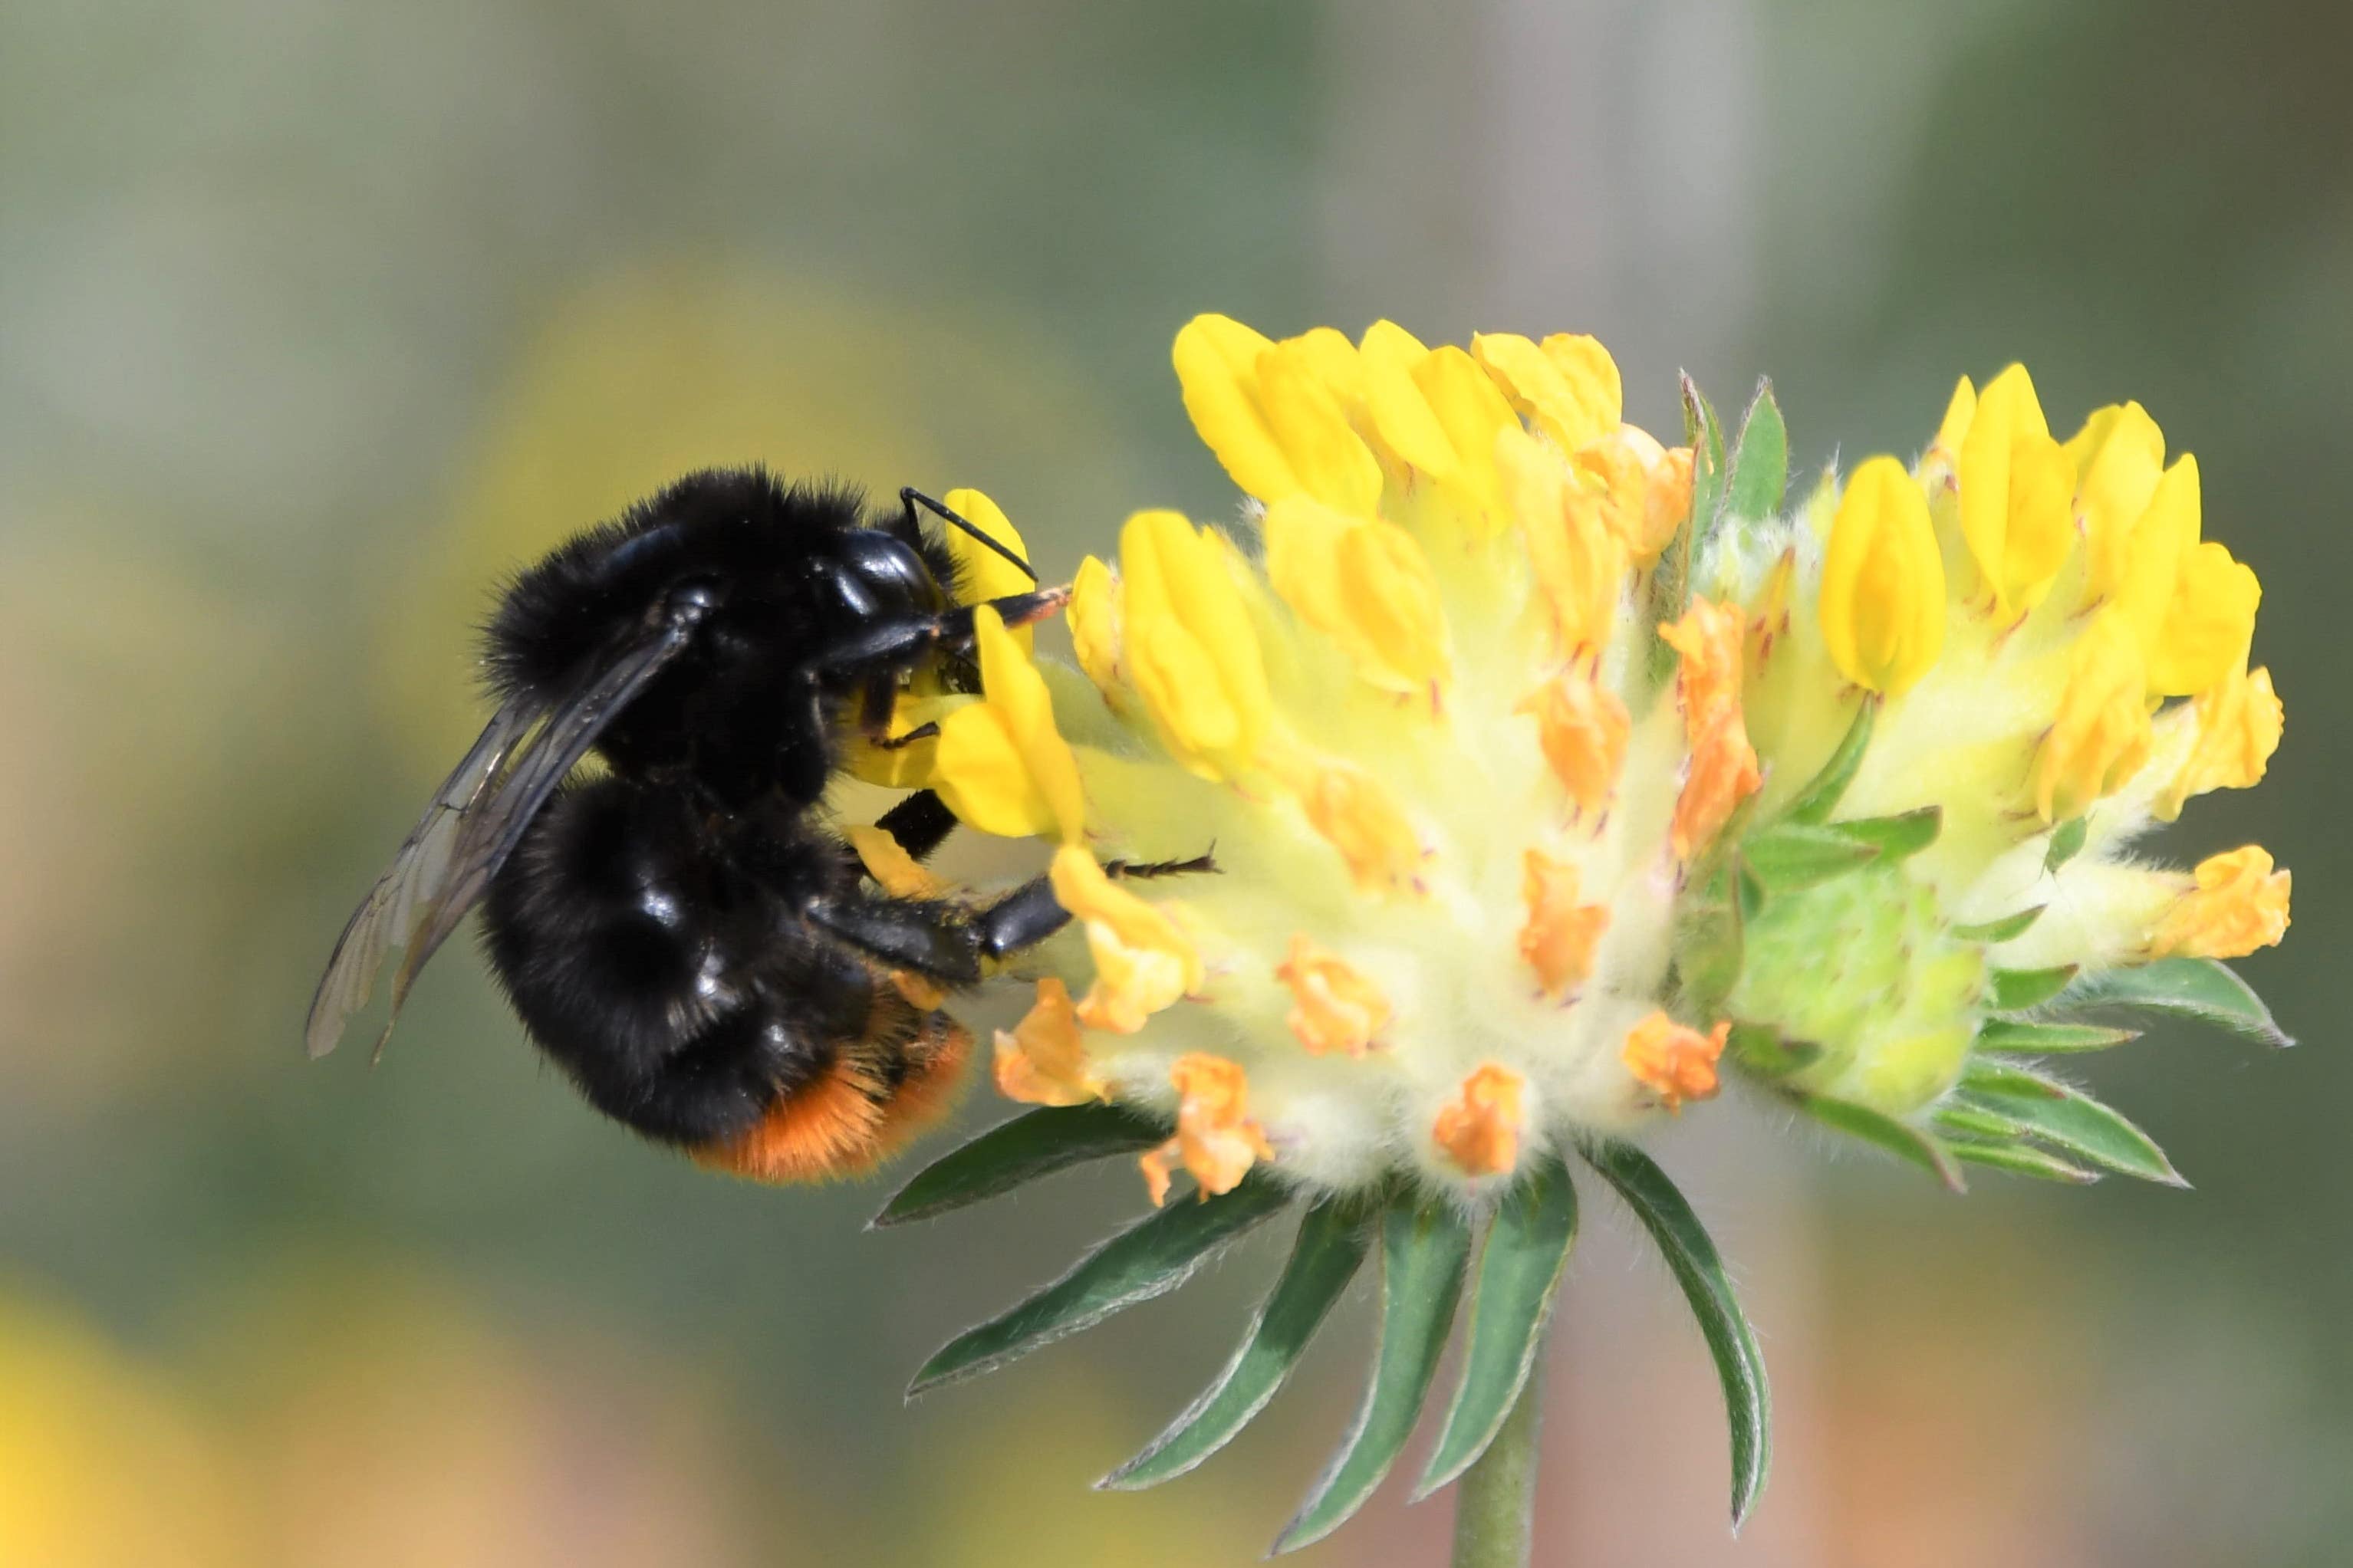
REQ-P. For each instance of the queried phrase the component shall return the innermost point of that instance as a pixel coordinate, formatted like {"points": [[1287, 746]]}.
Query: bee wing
{"points": [[476, 819]]}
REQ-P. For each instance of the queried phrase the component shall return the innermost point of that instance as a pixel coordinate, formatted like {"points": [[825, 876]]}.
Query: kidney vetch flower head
{"points": [[1505, 781]]}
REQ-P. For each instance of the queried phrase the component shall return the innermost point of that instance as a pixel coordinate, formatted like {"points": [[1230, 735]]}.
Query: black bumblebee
{"points": [[684, 935]]}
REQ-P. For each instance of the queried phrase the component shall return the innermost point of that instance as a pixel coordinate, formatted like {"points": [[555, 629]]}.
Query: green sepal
{"points": [[2010, 928], [1013, 1152], [2066, 842], [1760, 462], [1759, 1048], [1670, 578], [1693, 1259], [1520, 1269], [1820, 795], [1897, 838], [2072, 1122], [1965, 1123], [1425, 1247], [2198, 988], [1333, 1236], [1791, 855], [1900, 1139], [2015, 990], [1710, 943], [2021, 1160], [2048, 1039], [1149, 1258]]}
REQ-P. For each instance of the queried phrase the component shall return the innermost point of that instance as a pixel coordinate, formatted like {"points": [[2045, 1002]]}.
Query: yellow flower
{"points": [[2118, 455], [1002, 765], [1472, 413], [1142, 962], [1636, 488], [1571, 396], [1334, 1007], [1043, 1061], [982, 572], [1216, 1139], [1582, 728], [2101, 734], [1882, 596], [894, 870], [1943, 458], [1560, 934], [1578, 563], [1093, 616], [2237, 904], [1274, 423], [1364, 584], [1480, 1129], [2145, 584], [2209, 627], [1672, 1061], [2238, 724], [1724, 770], [1350, 810], [2017, 490], [1189, 644]]}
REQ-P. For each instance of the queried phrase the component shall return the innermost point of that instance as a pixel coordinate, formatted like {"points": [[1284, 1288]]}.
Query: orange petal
{"points": [[1334, 1007], [1043, 1061], [1558, 939], [1480, 1129], [1672, 1061], [1582, 728]]}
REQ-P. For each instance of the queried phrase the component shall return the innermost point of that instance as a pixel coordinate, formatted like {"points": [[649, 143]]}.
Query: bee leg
{"points": [[920, 822], [921, 934], [900, 642]]}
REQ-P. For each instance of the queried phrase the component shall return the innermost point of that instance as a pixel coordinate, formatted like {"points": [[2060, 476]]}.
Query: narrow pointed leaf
{"points": [[1760, 465], [2076, 1124], [1966, 1122], [2010, 928], [1904, 1141], [1760, 1049], [1022, 1150], [2015, 990], [1149, 1258], [1820, 796], [1670, 578], [2022, 1160], [1520, 1270], [1692, 1256], [2192, 987], [1897, 837], [2066, 842], [1424, 1249], [2049, 1039], [1789, 856], [1332, 1239]]}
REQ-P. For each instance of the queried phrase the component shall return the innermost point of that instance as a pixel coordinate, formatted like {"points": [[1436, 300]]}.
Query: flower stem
{"points": [[1495, 1501]]}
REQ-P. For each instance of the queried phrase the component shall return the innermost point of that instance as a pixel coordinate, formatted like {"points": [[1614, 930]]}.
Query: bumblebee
{"points": [[685, 935]]}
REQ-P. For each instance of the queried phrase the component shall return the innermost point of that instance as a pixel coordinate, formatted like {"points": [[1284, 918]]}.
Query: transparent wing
{"points": [[477, 818]]}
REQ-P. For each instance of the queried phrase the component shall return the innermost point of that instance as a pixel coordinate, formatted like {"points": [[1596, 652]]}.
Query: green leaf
{"points": [[2022, 1160], [2066, 842], [1820, 796], [1022, 1150], [1149, 1258], [1424, 1249], [2074, 1122], [1520, 1270], [2048, 1039], [2192, 987], [1900, 1139], [1709, 948], [2010, 928], [1759, 1048], [1760, 464], [1332, 1239], [1963, 1121], [1897, 838], [2015, 990], [1791, 855], [1684, 1244]]}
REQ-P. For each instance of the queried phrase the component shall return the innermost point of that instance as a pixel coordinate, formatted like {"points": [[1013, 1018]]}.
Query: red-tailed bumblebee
{"points": [[685, 935]]}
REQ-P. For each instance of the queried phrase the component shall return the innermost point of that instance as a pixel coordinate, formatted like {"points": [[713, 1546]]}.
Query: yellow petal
{"points": [[2238, 724], [1143, 963], [2209, 625], [1637, 490], [2101, 734], [1043, 1061], [2018, 488], [1470, 409], [1580, 564], [1334, 1006], [1672, 1061], [1310, 422], [908, 765], [1093, 616], [1480, 1129], [1402, 421], [1560, 934], [1350, 810], [1583, 728], [1216, 1139], [2118, 455], [981, 573], [1944, 452], [1364, 584], [1883, 593], [1571, 410], [2160, 541], [894, 870], [1217, 361], [1588, 368], [1189, 647], [1003, 767], [2236, 905]]}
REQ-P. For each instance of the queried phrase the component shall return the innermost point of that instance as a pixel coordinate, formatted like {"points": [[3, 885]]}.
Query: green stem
{"points": [[1495, 1501]]}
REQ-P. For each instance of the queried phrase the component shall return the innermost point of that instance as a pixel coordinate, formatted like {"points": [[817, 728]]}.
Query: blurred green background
{"points": [[314, 318]]}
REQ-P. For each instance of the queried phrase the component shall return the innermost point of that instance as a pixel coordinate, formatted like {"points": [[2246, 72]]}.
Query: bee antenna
{"points": [[912, 498]]}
